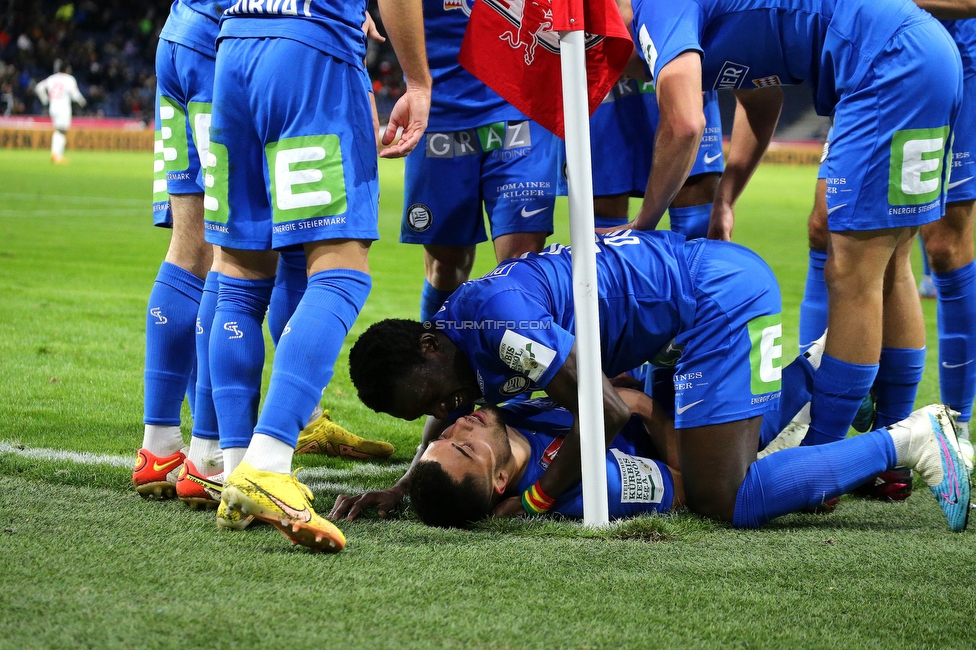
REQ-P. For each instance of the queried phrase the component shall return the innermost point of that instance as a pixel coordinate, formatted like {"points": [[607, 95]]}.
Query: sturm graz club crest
{"points": [[531, 26], [418, 217], [514, 386]]}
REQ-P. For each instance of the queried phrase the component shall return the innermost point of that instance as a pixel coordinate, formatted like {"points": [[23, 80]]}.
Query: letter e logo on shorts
{"points": [[172, 135], [215, 184], [766, 356], [916, 165], [307, 177]]}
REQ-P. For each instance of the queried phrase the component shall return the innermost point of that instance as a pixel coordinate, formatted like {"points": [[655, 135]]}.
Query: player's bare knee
{"points": [[448, 267], [817, 231], [697, 190], [517, 244]]}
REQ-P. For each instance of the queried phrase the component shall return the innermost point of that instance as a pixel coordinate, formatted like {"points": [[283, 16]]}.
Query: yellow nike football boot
{"points": [[228, 519], [323, 436], [282, 501]]}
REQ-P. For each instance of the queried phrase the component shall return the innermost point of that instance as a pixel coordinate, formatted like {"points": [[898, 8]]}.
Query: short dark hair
{"points": [[382, 357], [441, 501]]}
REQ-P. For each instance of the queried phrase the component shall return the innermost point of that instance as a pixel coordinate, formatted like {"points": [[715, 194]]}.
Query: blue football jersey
{"points": [[193, 23], [332, 26], [458, 99], [963, 32], [517, 327], [757, 43], [635, 483]]}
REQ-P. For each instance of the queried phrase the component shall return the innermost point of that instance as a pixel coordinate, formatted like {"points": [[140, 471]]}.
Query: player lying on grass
{"points": [[497, 453], [709, 309]]}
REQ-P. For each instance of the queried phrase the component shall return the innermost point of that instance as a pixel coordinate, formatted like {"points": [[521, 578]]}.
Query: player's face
{"points": [[476, 444], [432, 389]]}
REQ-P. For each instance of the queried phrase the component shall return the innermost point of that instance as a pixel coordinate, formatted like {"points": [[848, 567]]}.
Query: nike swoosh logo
{"points": [[950, 366], [957, 183], [204, 483], [532, 212], [710, 159], [682, 409], [836, 207], [303, 515], [157, 467]]}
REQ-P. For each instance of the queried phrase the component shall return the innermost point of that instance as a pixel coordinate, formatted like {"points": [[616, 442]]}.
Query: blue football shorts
{"points": [[622, 132], [962, 176], [887, 162], [184, 93], [292, 156], [510, 167], [731, 363]]}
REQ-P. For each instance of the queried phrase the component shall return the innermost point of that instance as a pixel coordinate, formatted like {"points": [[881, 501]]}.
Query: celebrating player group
{"points": [[266, 172]]}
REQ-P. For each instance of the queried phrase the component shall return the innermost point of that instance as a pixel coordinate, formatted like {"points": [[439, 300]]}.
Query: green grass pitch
{"points": [[84, 562]]}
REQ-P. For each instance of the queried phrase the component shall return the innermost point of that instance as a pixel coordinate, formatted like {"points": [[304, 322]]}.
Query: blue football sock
{"points": [[838, 388], [805, 477], [899, 372], [797, 390], [609, 222], [431, 300], [170, 323], [204, 415], [237, 356], [691, 221], [813, 308], [957, 338], [289, 287], [306, 355]]}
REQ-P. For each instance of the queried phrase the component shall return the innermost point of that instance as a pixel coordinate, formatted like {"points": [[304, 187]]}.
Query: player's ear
{"points": [[499, 482], [429, 343]]}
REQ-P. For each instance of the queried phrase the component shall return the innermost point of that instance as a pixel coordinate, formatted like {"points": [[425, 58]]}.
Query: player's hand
{"points": [[510, 507], [351, 507], [369, 28], [410, 115], [721, 222]]}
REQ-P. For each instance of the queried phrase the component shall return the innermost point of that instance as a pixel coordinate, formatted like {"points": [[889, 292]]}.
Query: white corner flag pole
{"points": [[576, 117]]}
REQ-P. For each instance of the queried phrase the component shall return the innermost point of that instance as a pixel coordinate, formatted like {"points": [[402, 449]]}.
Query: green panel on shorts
{"points": [[172, 124], [916, 165], [160, 194], [766, 356], [492, 136], [646, 87], [306, 177], [215, 184], [200, 126]]}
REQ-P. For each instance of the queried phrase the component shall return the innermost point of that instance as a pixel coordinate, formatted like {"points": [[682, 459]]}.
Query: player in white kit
{"points": [[57, 92]]}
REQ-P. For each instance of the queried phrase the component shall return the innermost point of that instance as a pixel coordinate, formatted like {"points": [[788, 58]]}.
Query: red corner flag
{"points": [[513, 47]]}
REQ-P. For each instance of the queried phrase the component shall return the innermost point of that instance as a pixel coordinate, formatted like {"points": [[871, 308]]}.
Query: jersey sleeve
{"points": [[41, 90], [525, 338], [663, 30]]}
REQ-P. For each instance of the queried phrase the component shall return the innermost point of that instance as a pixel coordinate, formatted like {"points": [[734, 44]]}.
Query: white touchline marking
{"points": [[79, 457], [325, 476]]}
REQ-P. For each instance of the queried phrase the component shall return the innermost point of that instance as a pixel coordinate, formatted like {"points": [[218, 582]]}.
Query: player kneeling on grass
{"points": [[709, 309]]}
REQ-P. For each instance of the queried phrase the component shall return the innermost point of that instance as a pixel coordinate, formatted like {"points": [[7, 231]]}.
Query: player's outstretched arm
{"points": [[404, 22], [565, 471], [351, 506], [679, 132], [756, 114]]}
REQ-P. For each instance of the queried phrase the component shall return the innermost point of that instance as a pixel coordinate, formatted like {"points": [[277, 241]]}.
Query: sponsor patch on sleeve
{"points": [[640, 479], [524, 355]]}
